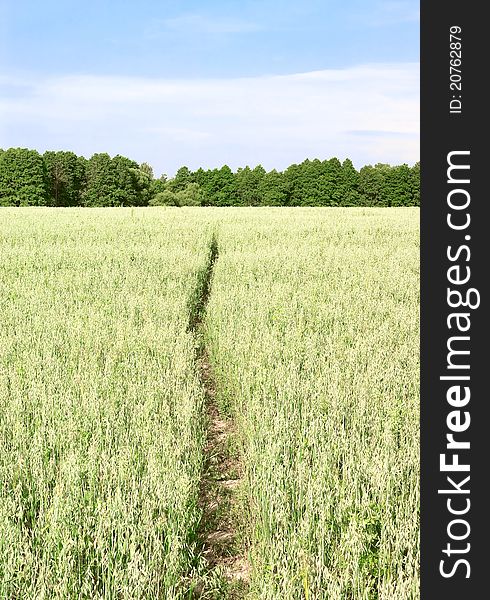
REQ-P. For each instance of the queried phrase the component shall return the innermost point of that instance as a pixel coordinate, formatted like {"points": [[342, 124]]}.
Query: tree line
{"points": [[61, 178]]}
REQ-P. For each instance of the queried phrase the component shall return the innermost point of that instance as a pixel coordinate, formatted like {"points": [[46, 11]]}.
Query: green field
{"points": [[311, 331]]}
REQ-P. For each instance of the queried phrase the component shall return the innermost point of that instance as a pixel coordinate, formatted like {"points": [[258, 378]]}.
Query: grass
{"points": [[310, 320], [101, 428], [313, 332]]}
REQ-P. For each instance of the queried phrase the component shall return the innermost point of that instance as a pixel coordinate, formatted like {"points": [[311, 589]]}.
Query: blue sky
{"points": [[207, 83]]}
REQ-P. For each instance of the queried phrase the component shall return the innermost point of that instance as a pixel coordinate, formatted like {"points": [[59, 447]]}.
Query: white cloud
{"points": [[369, 113]]}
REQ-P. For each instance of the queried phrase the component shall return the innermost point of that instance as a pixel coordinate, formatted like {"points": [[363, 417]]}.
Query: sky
{"points": [[177, 83]]}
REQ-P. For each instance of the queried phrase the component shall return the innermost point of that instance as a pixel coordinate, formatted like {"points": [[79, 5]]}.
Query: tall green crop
{"points": [[311, 326], [101, 428], [313, 334]]}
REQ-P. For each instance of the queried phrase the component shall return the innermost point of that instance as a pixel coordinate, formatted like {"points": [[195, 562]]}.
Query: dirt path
{"points": [[220, 489], [221, 534]]}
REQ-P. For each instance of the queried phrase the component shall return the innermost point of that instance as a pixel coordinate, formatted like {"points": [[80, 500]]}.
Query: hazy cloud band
{"points": [[369, 113]]}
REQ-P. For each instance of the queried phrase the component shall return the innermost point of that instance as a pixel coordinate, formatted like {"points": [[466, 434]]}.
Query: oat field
{"points": [[118, 330]]}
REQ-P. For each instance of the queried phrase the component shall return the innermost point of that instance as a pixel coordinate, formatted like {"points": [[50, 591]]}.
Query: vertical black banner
{"points": [[455, 423]]}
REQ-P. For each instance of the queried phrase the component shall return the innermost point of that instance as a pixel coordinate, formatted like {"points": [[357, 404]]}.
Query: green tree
{"points": [[100, 186], [308, 184], [190, 196], [148, 169], [292, 182], [349, 182], [157, 186], [115, 181], [181, 180], [415, 185], [22, 178], [247, 184], [205, 181], [142, 184], [217, 185], [398, 186], [126, 181], [371, 186], [273, 189], [65, 174], [331, 183], [164, 198], [63, 179]]}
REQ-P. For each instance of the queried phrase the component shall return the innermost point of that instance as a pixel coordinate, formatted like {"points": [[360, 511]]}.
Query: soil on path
{"points": [[221, 534]]}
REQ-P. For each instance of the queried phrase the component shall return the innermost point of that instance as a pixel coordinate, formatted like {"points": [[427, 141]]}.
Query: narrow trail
{"points": [[221, 540]]}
